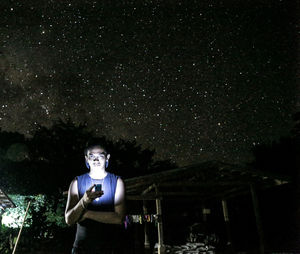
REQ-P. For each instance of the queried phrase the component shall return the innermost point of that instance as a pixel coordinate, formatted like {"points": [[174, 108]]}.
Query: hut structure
{"points": [[5, 202], [210, 181]]}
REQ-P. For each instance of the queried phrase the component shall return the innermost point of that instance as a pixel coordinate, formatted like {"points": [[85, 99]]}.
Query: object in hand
{"points": [[98, 187]]}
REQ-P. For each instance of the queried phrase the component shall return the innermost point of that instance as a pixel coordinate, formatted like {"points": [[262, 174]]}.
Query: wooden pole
{"points": [[204, 214], [161, 248], [227, 224], [258, 220], [21, 228], [1, 212], [146, 226], [0, 221]]}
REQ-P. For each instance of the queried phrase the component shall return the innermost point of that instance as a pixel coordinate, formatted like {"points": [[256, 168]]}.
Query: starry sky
{"points": [[194, 80]]}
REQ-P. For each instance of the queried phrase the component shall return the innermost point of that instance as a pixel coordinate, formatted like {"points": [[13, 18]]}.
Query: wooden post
{"points": [[146, 227], [258, 220], [0, 221], [21, 227], [204, 214], [161, 247], [227, 224], [1, 212]]}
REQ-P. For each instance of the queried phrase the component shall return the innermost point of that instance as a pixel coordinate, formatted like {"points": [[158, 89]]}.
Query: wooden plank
{"points": [[227, 224], [151, 187], [5, 201], [20, 231], [139, 197], [146, 227], [201, 184], [258, 219], [219, 194], [161, 249], [171, 174], [211, 168]]}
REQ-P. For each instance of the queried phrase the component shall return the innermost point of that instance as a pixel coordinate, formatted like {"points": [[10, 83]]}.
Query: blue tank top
{"points": [[89, 233], [107, 200]]}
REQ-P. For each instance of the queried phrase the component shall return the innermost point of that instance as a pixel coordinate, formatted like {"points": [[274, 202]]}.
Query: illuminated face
{"points": [[96, 157]]}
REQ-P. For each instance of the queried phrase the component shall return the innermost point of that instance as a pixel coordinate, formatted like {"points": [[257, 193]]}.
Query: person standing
{"points": [[96, 203]]}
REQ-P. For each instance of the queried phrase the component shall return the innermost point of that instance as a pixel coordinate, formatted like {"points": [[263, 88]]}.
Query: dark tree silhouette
{"points": [[57, 153], [47, 162], [280, 156], [277, 156], [7, 141], [282, 205], [54, 156], [296, 136], [13, 160]]}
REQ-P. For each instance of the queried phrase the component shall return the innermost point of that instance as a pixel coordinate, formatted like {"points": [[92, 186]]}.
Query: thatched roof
{"points": [[209, 180], [5, 201]]}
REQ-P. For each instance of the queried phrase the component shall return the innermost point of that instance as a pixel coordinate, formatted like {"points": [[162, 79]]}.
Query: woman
{"points": [[96, 211]]}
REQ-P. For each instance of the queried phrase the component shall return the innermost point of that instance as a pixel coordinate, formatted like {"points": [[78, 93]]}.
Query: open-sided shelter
{"points": [[209, 181]]}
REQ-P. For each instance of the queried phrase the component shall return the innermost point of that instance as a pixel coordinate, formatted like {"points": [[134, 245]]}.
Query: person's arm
{"points": [[74, 208], [115, 217], [77, 207]]}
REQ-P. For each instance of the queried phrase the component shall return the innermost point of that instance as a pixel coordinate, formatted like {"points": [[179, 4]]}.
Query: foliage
{"points": [[281, 156], [7, 239], [43, 210], [47, 162], [40, 168], [55, 213], [13, 217], [277, 156]]}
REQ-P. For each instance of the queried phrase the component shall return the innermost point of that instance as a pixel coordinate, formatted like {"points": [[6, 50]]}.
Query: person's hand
{"points": [[90, 195]]}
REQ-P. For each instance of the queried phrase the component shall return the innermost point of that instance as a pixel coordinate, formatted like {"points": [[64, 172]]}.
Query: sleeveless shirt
{"points": [[90, 233]]}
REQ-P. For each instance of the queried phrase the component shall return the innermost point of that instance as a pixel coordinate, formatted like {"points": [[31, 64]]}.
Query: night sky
{"points": [[195, 80]]}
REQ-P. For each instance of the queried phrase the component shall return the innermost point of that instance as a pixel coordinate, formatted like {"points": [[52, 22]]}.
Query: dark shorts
{"points": [[76, 250], [97, 238]]}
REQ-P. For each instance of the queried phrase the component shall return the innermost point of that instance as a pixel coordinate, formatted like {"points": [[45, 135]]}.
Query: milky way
{"points": [[195, 80]]}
